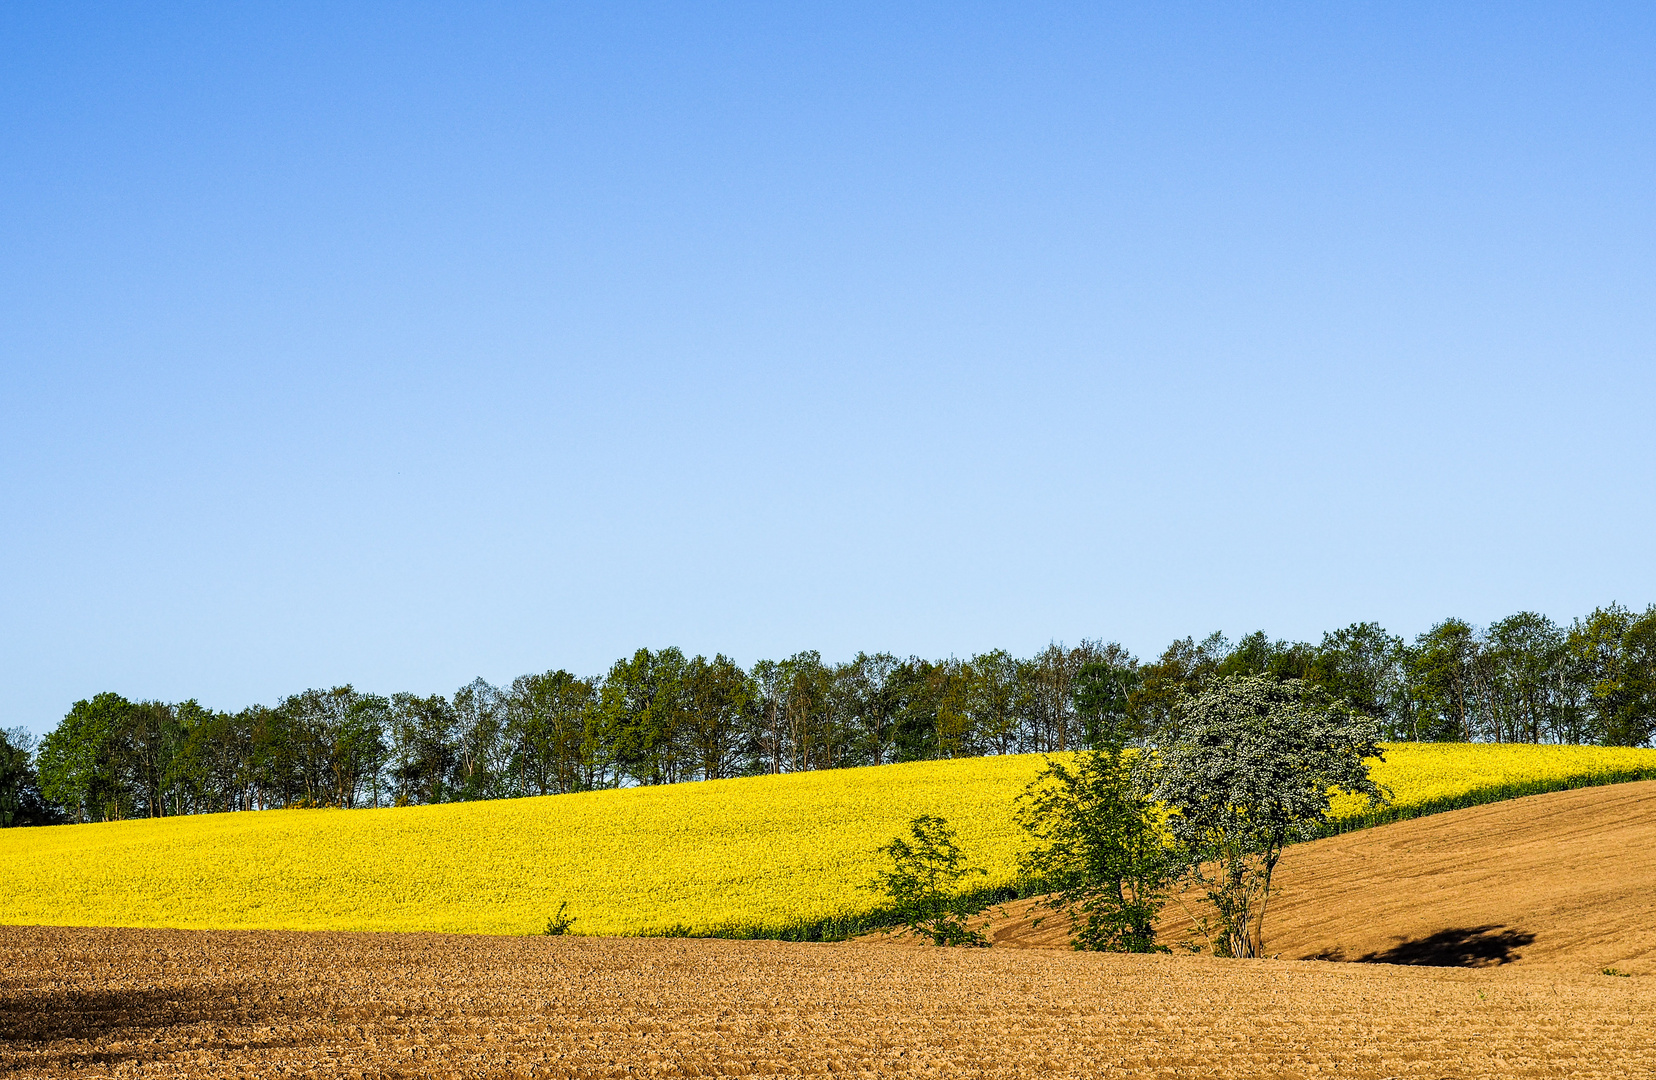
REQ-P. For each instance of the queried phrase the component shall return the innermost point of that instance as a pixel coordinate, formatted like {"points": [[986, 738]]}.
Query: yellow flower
{"points": [[762, 855]]}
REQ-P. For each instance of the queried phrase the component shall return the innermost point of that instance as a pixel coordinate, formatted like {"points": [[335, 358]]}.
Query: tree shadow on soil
{"points": [[1461, 946], [45, 1016], [62, 1030]]}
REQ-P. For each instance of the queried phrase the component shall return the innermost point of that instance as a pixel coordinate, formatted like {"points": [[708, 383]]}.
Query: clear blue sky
{"points": [[403, 344]]}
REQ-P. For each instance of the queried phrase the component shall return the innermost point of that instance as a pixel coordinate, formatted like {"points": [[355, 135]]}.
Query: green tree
{"points": [[480, 711], [1103, 699], [873, 702], [1637, 725], [1184, 668], [550, 718], [1615, 656], [1525, 680], [809, 729], [952, 696], [334, 744], [190, 778], [21, 802], [1443, 674], [643, 710], [923, 884], [994, 701], [720, 698], [1100, 849], [423, 759], [1362, 665], [1244, 768], [1257, 654], [80, 763], [915, 685], [1047, 695], [275, 776]]}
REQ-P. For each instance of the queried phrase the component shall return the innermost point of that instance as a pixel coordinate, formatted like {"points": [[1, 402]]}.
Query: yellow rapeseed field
{"points": [[762, 855]]}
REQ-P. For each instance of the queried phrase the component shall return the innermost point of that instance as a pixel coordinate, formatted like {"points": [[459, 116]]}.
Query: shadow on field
{"points": [[1463, 946], [45, 1016]]}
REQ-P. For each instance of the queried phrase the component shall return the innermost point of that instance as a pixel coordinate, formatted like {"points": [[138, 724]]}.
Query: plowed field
{"points": [[210, 1003]]}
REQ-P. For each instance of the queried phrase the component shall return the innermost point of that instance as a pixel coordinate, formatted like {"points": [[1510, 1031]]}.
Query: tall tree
{"points": [[21, 802], [1245, 767], [1257, 654], [1362, 665], [81, 762], [643, 709], [1637, 721], [480, 746], [1103, 699], [1099, 848], [191, 779], [1524, 679], [994, 701], [1443, 681], [923, 885], [869, 688], [1615, 655], [720, 700], [810, 728], [423, 757], [1048, 695], [915, 686], [1184, 668], [550, 722]]}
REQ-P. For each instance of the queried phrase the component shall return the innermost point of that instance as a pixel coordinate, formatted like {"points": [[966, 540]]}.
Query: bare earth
{"points": [[1529, 899], [1565, 881]]}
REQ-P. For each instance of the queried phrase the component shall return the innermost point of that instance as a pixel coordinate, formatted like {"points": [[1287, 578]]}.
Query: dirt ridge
{"points": [[1564, 880]]}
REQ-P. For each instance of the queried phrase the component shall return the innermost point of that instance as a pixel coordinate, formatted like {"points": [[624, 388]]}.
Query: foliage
{"points": [[1099, 846], [560, 922], [83, 765], [662, 717], [1247, 767], [923, 884], [1615, 655], [21, 802], [1104, 700]]}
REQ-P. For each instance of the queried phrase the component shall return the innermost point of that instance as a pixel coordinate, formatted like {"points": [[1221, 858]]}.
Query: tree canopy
{"points": [[663, 716], [1244, 768], [1098, 847]]}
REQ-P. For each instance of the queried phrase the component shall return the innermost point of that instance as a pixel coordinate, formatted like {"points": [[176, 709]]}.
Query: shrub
{"points": [[924, 883]]}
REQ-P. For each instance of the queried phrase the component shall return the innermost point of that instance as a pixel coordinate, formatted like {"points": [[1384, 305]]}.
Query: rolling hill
{"points": [[761, 856]]}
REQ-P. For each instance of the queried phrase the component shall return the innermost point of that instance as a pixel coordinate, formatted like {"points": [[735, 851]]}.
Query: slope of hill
{"points": [[766, 856], [1565, 880]]}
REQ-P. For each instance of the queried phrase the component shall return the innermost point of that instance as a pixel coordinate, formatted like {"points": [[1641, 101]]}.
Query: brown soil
{"points": [[1556, 886], [1565, 881], [145, 1003]]}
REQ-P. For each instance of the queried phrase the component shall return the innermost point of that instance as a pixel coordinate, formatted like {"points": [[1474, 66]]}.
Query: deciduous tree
{"points": [[1100, 849], [923, 884], [1244, 768]]}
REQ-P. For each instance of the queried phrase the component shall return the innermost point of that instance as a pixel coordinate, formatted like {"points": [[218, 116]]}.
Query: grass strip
{"points": [[1479, 796]]}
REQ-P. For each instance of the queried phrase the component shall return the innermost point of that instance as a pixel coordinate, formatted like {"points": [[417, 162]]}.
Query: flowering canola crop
{"points": [[760, 856]]}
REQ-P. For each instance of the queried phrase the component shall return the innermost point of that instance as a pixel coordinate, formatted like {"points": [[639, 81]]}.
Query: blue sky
{"points": [[403, 344]]}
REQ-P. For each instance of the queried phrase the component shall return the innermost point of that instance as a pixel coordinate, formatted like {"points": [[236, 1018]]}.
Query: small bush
{"points": [[559, 924], [923, 885]]}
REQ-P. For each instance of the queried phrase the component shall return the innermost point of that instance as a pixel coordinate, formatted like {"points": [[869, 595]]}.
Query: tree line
{"points": [[660, 717]]}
